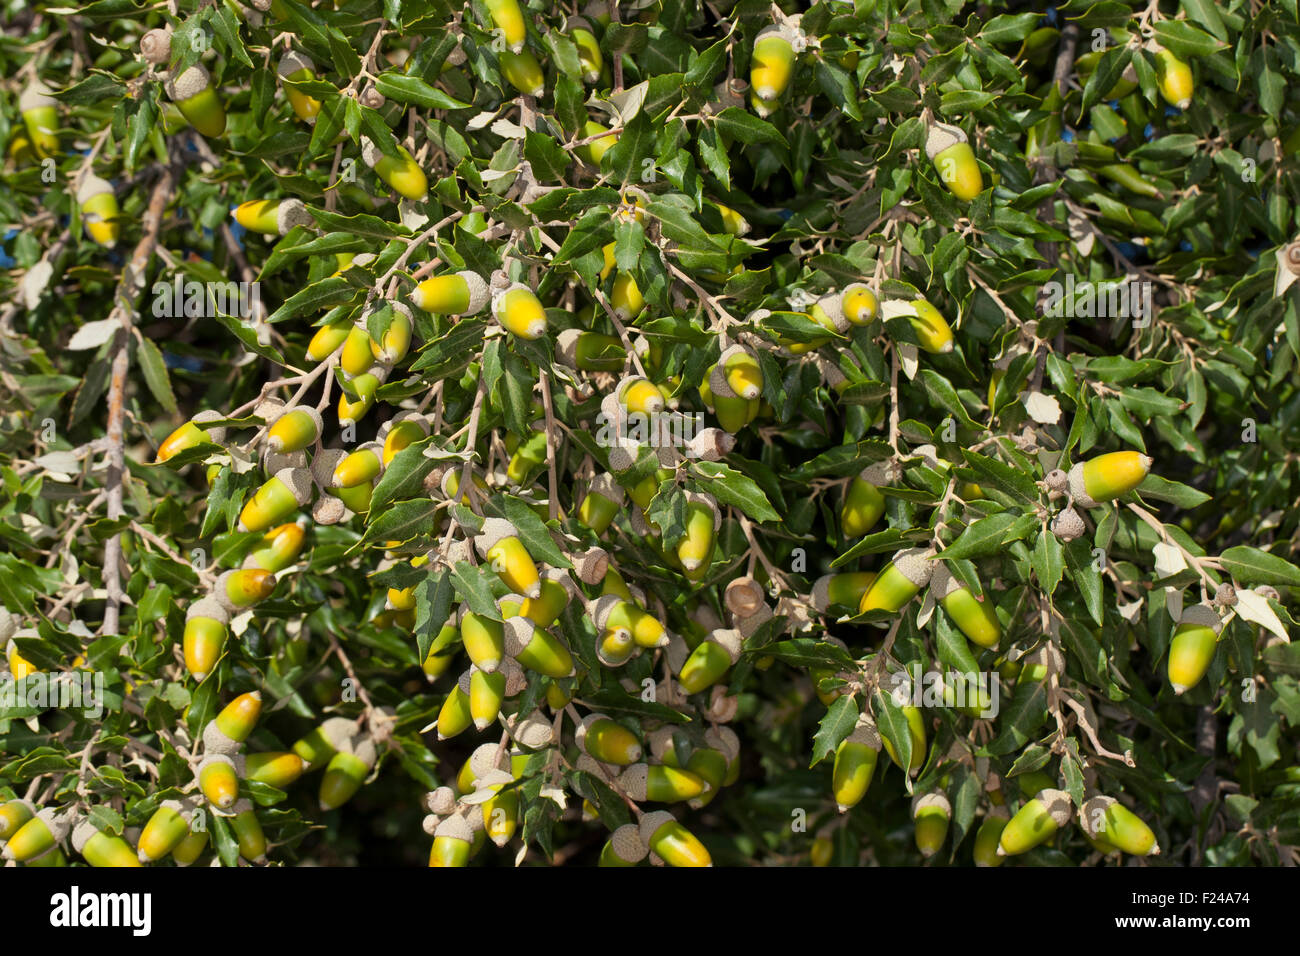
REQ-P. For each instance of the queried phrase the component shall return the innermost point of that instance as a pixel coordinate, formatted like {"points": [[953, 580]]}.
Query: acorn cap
{"points": [[441, 801], [590, 566], [1079, 490], [293, 62], [605, 486], [494, 531], [1088, 813], [821, 592], [942, 136], [1057, 480], [589, 764], [711, 444], [92, 185], [290, 213], [1068, 524], [81, 834], [156, 46], [660, 741], [455, 827], [724, 740], [744, 596], [936, 799], [865, 732], [36, 95], [210, 607], [215, 741], [338, 732], [189, 84], [1202, 615], [516, 679], [748, 626], [626, 843], [328, 510], [710, 502], [532, 731], [676, 652], [650, 824], [370, 153], [479, 292], [730, 640], [210, 759], [943, 582], [566, 347], [832, 305], [915, 564], [634, 780], [519, 632], [1058, 805], [718, 382], [298, 481], [487, 757]]}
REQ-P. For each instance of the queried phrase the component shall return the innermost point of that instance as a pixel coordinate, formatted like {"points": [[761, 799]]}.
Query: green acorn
{"points": [[13, 815], [102, 849], [772, 66], [916, 730], [205, 636], [194, 96], [985, 851], [660, 784], [864, 506], [40, 115], [711, 660], [169, 825], [1191, 652], [1107, 477], [975, 618], [537, 649], [190, 848], [400, 172], [608, 741], [899, 582], [931, 813], [590, 351], [248, 832], [347, 771], [523, 72], [855, 763], [670, 842], [323, 742], [948, 147], [1036, 822], [243, 588], [589, 55], [38, 836], [99, 210], [1106, 820], [461, 293]]}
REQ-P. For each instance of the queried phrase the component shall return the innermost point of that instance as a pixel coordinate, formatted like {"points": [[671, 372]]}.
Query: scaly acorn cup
{"points": [[13, 815], [608, 741], [295, 430], [401, 432], [461, 293], [346, 772], [624, 847], [855, 763], [1107, 477], [518, 310], [396, 339], [205, 636], [949, 149], [842, 590], [272, 217], [281, 496], [703, 520], [298, 68], [771, 65], [361, 467], [985, 851], [194, 96], [590, 351], [243, 588], [323, 742], [1107, 821], [40, 114], [660, 784], [864, 506], [916, 731], [226, 732], [38, 836], [402, 173], [899, 582], [523, 72], [1174, 79], [499, 544], [191, 435], [102, 849], [973, 617], [1192, 649], [484, 640], [275, 768], [710, 660], [537, 649], [280, 548], [327, 339], [1036, 822], [169, 825], [218, 779], [452, 842], [589, 55], [931, 813], [670, 842], [509, 19], [248, 832], [99, 210], [859, 304], [454, 716]]}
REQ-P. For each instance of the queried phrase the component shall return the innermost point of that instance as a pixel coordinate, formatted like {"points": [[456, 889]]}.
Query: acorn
{"points": [[38, 836], [1191, 651], [948, 147], [194, 96], [295, 430], [13, 814], [624, 847], [522, 71], [297, 67], [99, 210], [703, 521], [932, 329], [275, 768], [400, 172], [360, 467], [205, 636], [660, 784], [243, 588], [1036, 822], [1174, 79], [931, 813], [509, 19], [1107, 477], [985, 851], [607, 741], [273, 217], [280, 548], [859, 304], [499, 544], [191, 435], [710, 660], [843, 590], [1068, 524], [156, 46], [670, 842], [219, 780], [537, 649], [327, 339], [518, 310], [460, 293], [277, 499], [40, 114], [589, 55], [916, 731], [347, 771], [592, 153], [771, 66], [1107, 820], [899, 582], [318, 746], [226, 732], [190, 848], [248, 832], [855, 762], [486, 694], [975, 618], [484, 640], [396, 339], [168, 826], [401, 431], [864, 506], [451, 842]]}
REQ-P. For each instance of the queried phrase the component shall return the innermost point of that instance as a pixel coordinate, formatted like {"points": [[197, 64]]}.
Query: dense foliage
{"points": [[640, 415]]}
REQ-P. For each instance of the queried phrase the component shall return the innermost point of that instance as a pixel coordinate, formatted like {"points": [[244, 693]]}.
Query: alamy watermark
{"points": [[980, 691], [657, 430], [83, 691], [183, 298], [1129, 298]]}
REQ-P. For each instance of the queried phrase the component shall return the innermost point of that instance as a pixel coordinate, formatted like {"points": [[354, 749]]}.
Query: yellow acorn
{"points": [[859, 304], [671, 842], [949, 149], [279, 549], [1036, 822], [396, 339], [864, 506], [1192, 649], [1107, 477], [102, 849], [1106, 819], [194, 96], [401, 432], [273, 217], [219, 780], [205, 636], [275, 768], [486, 694], [930, 813], [167, 827], [589, 55], [327, 339], [608, 741], [461, 293], [295, 430], [843, 590], [703, 520], [1174, 79], [230, 728], [361, 467], [518, 310], [452, 842], [523, 72], [19, 666], [297, 68], [244, 587], [280, 497], [592, 153], [499, 544], [660, 784], [13, 814], [40, 114], [99, 210], [37, 837], [191, 435], [248, 832], [771, 65], [401, 172], [484, 640]]}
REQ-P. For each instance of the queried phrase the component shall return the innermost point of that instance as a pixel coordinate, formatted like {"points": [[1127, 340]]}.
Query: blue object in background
{"points": [[1185, 246], [1172, 111], [1051, 16], [1149, 132], [1067, 135], [187, 362]]}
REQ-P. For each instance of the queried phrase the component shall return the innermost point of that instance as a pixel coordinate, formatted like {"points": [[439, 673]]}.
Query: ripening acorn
{"points": [[461, 293], [709, 662], [395, 341], [602, 141], [346, 772], [40, 835], [623, 848], [168, 826], [1174, 79], [1191, 652], [985, 851], [280, 548], [855, 763], [1035, 823], [190, 848], [1107, 821], [589, 55], [484, 640], [523, 72], [318, 746], [295, 430], [899, 582], [695, 550], [272, 217], [275, 768], [771, 66], [931, 813], [327, 339], [949, 149], [590, 351], [439, 658], [452, 842], [40, 115], [537, 649], [401, 432], [509, 19], [859, 304], [916, 732], [671, 842], [360, 467], [608, 741], [864, 506], [191, 435], [101, 849], [298, 68], [205, 636], [218, 780], [658, 783], [13, 815], [842, 590], [230, 728], [1107, 477], [486, 694], [99, 210], [932, 330], [248, 832], [276, 500], [518, 310], [499, 544], [975, 618], [401, 172], [244, 587], [194, 96]]}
